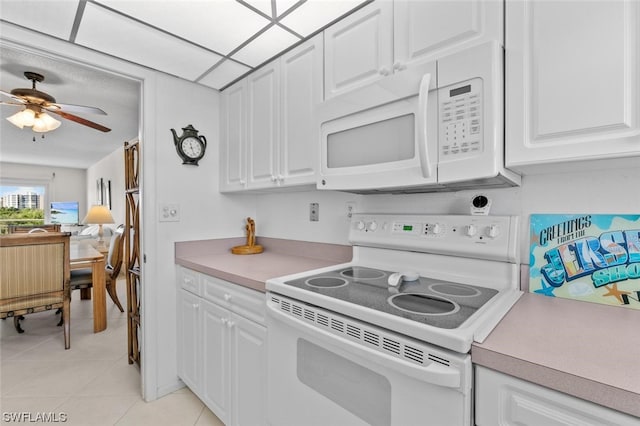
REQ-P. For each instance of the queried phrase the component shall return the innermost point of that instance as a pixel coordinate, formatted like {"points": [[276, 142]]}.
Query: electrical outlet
{"points": [[351, 209], [314, 212], [169, 213]]}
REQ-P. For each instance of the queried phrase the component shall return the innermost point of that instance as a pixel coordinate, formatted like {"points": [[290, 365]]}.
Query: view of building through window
{"points": [[21, 205]]}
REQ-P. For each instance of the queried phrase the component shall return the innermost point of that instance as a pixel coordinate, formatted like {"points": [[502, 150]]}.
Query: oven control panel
{"points": [[491, 237]]}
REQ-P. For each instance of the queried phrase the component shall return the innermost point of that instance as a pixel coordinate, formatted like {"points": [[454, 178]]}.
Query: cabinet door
{"points": [[233, 138], [216, 386], [301, 70], [505, 400], [189, 351], [359, 48], [263, 121], [572, 81], [249, 367], [426, 30]]}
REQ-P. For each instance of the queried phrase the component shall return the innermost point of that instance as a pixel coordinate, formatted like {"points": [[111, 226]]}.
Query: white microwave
{"points": [[433, 127]]}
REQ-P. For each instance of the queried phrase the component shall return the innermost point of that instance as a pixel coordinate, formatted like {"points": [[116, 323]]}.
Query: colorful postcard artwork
{"points": [[589, 257]]}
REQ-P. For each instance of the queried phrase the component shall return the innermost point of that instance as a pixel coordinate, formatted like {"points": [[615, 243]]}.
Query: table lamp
{"points": [[99, 215]]}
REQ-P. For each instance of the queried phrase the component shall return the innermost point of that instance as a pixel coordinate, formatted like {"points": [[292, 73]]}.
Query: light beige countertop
{"points": [[587, 350], [280, 257]]}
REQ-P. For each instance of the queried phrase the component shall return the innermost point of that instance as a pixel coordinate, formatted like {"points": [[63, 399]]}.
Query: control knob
{"points": [[493, 231], [436, 229], [470, 230], [360, 225], [373, 225]]}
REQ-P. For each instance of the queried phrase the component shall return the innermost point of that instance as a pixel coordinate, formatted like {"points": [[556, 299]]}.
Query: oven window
{"points": [[355, 388], [383, 141]]}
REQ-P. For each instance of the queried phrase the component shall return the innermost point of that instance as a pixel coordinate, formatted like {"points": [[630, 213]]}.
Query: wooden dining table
{"points": [[83, 255]]}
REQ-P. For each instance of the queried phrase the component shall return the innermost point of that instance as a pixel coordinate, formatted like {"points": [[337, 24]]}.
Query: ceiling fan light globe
{"points": [[23, 118], [45, 123]]}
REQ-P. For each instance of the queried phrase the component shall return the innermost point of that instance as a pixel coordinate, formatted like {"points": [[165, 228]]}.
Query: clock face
{"points": [[192, 147]]}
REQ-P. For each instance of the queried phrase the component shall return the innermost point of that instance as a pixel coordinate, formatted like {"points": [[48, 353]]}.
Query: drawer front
{"points": [[189, 280], [249, 303]]}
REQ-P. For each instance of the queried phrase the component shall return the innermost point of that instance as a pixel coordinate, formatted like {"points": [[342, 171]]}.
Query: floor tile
{"points": [[92, 383], [172, 410]]}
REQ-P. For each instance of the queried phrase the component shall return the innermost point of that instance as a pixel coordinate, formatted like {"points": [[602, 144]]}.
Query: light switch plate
{"points": [[169, 213]]}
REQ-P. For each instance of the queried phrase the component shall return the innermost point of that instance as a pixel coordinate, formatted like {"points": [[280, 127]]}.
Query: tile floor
{"points": [[91, 383]]}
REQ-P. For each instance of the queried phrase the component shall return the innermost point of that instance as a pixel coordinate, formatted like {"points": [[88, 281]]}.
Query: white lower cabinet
{"points": [[501, 399], [222, 347]]}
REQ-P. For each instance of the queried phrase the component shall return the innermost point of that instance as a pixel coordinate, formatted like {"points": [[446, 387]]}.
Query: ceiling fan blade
{"points": [[81, 120], [15, 98], [11, 103], [79, 109]]}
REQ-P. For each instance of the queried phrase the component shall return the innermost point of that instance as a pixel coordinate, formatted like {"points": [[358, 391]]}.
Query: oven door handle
{"points": [[433, 373]]}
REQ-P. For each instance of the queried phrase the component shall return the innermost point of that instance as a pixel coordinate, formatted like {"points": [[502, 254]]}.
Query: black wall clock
{"points": [[190, 146]]}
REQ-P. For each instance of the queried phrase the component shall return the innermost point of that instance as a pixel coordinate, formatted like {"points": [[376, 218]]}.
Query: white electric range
{"points": [[384, 339]]}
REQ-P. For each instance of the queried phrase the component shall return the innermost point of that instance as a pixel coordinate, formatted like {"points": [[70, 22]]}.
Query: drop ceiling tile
{"points": [[53, 17], [265, 46], [119, 36], [224, 74], [284, 5], [315, 14], [217, 25], [263, 6]]}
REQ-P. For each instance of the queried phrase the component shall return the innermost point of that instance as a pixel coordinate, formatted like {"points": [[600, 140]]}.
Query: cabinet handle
{"points": [[384, 71], [399, 66], [273, 178], [227, 297], [230, 324]]}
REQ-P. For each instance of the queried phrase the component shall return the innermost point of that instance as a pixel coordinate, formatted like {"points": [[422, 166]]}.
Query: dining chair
{"points": [[82, 278], [34, 277], [50, 227]]}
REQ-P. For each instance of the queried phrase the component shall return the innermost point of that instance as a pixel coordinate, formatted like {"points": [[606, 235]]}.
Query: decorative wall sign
{"points": [[589, 257]]}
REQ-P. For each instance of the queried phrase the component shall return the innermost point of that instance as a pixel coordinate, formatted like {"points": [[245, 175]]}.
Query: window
{"points": [[22, 203]]}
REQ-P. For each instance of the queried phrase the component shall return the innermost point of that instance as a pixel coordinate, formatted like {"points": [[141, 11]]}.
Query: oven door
{"points": [[327, 369]]}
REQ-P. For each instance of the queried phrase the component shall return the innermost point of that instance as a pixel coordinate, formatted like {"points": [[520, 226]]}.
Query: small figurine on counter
{"points": [[250, 247]]}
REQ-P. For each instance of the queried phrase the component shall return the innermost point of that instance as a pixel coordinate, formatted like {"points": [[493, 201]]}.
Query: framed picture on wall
{"points": [[99, 197]]}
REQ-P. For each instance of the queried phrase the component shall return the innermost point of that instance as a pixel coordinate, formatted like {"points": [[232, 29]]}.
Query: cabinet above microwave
{"points": [[437, 126]]}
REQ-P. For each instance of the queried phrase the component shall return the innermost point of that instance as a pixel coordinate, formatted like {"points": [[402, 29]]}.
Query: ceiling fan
{"points": [[36, 105]]}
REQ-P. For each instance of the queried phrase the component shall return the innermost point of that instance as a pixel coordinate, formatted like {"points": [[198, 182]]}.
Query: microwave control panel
{"points": [[460, 120]]}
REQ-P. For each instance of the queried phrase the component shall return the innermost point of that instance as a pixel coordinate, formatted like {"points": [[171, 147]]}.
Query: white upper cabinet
{"points": [[270, 137], [572, 81], [427, 30], [262, 125], [385, 37], [233, 137], [359, 49], [301, 70]]}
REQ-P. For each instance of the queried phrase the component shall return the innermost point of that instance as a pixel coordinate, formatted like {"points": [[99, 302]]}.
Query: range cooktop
{"points": [[438, 303]]}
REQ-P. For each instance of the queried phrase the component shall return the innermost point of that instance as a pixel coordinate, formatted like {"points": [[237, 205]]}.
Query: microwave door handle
{"points": [[423, 101]]}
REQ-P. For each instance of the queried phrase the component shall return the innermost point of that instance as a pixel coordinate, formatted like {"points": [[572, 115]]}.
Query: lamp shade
{"points": [[98, 215]]}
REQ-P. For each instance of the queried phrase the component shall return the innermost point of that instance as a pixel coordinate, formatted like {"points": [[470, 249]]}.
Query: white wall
{"points": [[65, 184], [110, 168], [204, 212], [610, 191]]}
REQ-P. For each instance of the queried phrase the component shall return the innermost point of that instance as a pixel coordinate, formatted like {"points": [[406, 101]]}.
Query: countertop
{"points": [[584, 349], [280, 257]]}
